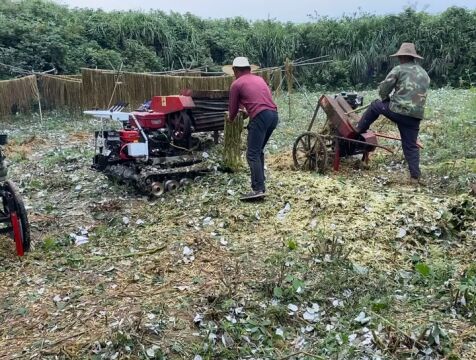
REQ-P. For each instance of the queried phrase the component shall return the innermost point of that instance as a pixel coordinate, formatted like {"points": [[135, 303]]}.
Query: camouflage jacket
{"points": [[411, 84]]}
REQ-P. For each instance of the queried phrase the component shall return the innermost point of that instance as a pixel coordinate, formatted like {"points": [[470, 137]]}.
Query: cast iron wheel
{"points": [[157, 189], [185, 182], [309, 152], [171, 185], [180, 125], [23, 225]]}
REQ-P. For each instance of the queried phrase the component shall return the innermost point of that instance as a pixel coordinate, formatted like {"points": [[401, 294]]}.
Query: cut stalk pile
{"points": [[232, 158]]}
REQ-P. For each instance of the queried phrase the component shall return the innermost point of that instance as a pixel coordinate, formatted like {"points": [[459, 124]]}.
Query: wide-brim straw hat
{"points": [[239, 62], [407, 49]]}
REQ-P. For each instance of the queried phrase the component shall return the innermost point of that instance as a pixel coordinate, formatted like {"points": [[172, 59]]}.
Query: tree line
{"points": [[40, 35]]}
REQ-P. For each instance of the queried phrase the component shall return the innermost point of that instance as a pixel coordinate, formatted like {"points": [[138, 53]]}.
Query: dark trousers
{"points": [[259, 130], [408, 127]]}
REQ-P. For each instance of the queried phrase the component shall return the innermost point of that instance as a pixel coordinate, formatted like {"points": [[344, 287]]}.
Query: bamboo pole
{"points": [[289, 81]]}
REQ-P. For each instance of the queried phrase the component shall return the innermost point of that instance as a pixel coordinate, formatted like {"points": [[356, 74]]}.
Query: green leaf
{"points": [[297, 284], [22, 311], [423, 269], [379, 304], [278, 292], [292, 245], [49, 244]]}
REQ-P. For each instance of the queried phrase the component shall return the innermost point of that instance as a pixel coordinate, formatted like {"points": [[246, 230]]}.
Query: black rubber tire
{"points": [[21, 213]]}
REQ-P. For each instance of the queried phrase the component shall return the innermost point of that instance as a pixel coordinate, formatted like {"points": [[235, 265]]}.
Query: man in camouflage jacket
{"points": [[405, 106]]}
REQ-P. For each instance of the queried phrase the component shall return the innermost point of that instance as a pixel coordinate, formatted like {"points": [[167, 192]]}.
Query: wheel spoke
{"points": [[305, 153], [313, 149], [304, 144]]}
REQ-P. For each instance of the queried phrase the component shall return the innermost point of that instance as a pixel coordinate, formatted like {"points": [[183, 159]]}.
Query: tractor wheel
{"points": [[20, 224], [180, 125], [309, 152]]}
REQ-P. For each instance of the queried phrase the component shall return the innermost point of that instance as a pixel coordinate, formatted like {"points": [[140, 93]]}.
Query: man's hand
{"points": [[244, 113]]}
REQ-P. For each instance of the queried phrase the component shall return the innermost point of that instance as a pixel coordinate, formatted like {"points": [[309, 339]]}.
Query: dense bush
{"points": [[36, 34]]}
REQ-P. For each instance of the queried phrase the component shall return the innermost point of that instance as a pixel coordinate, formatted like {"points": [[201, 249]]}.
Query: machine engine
{"points": [[353, 99]]}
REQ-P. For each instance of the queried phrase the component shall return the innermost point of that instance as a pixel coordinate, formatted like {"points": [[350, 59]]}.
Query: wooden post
{"points": [[289, 82], [39, 104], [232, 143], [277, 79]]}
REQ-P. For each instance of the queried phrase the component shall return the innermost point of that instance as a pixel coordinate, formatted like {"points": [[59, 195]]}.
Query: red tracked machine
{"points": [[13, 215], [157, 150]]}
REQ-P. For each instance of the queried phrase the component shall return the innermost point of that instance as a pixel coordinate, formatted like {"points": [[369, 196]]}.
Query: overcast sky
{"points": [[290, 10]]}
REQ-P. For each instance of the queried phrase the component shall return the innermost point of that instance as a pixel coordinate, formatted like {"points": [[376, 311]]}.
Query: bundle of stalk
{"points": [[18, 95], [276, 81], [289, 75], [232, 143], [101, 88], [59, 91]]}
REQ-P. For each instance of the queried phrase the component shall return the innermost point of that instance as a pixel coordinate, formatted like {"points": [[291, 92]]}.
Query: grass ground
{"points": [[351, 265]]}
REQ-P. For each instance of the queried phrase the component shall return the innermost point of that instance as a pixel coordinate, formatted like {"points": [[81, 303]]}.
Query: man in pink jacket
{"points": [[251, 92]]}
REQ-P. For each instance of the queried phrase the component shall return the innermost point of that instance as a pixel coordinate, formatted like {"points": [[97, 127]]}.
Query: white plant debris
{"points": [[283, 212], [362, 318], [293, 308]]}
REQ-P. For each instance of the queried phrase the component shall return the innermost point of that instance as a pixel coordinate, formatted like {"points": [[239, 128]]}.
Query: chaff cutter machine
{"points": [[338, 138]]}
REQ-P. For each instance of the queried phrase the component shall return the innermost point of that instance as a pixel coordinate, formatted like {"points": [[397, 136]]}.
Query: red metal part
{"points": [[170, 104], [161, 106], [149, 120], [129, 136], [17, 234], [337, 117], [336, 162]]}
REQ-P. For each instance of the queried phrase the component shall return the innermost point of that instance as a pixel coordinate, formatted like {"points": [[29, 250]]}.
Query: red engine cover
{"points": [[171, 104], [128, 136], [149, 120]]}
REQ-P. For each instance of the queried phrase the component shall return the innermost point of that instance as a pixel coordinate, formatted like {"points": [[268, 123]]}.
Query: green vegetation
{"points": [[40, 35]]}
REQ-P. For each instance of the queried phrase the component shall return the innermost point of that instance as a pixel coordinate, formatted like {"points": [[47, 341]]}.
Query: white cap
{"points": [[241, 61]]}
